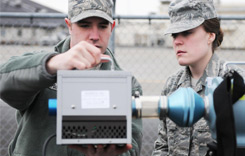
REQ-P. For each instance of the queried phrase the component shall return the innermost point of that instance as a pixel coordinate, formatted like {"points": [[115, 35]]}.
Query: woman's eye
{"points": [[186, 33]]}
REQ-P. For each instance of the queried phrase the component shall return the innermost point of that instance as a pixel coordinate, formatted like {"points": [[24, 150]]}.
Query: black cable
{"points": [[46, 143]]}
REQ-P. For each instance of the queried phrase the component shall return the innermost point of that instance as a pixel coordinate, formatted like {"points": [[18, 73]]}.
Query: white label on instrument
{"points": [[95, 99]]}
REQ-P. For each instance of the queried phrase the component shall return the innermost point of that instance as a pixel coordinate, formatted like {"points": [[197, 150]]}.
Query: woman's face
{"points": [[193, 46]]}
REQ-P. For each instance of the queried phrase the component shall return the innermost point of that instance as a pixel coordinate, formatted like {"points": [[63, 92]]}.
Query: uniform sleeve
{"points": [[22, 77], [161, 144]]}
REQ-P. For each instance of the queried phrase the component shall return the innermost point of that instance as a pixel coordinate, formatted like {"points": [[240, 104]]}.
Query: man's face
{"points": [[94, 30]]}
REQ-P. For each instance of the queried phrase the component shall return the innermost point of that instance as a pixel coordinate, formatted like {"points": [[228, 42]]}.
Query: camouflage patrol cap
{"points": [[189, 14], [81, 9]]}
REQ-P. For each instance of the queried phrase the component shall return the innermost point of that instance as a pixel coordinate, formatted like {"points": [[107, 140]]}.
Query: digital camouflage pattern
{"points": [[174, 140], [81, 9], [35, 125], [188, 14]]}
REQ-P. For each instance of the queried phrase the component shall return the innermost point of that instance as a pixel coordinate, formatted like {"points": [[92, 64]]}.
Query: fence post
{"points": [[112, 38]]}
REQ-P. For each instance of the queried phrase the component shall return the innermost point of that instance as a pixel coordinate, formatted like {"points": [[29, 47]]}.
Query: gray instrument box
{"points": [[94, 107]]}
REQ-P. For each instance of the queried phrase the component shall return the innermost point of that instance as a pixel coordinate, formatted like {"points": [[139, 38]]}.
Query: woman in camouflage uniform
{"points": [[196, 34], [27, 83]]}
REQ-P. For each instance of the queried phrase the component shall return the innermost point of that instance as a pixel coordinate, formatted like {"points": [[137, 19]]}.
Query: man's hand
{"points": [[82, 56], [100, 150]]}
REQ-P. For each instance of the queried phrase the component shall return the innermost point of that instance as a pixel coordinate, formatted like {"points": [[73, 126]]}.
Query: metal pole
{"points": [[112, 39]]}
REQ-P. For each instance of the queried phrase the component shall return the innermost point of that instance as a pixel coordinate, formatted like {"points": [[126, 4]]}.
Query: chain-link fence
{"points": [[139, 45]]}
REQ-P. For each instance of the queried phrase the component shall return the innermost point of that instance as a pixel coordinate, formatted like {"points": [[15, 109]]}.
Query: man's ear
{"points": [[113, 25], [68, 24], [211, 37]]}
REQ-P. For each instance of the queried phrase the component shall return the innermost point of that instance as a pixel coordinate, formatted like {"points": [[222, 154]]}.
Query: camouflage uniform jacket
{"points": [[26, 85], [173, 140]]}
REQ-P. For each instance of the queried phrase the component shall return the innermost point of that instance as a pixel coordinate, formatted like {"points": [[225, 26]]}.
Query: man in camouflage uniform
{"points": [[173, 140], [27, 83]]}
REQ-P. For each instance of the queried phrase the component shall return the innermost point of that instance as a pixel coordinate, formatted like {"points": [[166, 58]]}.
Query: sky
{"points": [[125, 7]]}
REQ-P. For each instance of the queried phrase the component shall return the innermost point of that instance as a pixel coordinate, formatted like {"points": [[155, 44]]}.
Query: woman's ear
{"points": [[211, 38]]}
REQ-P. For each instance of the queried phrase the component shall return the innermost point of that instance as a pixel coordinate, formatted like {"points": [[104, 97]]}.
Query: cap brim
{"points": [[92, 13], [181, 26]]}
